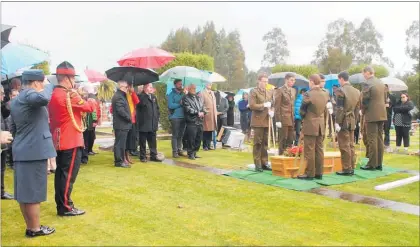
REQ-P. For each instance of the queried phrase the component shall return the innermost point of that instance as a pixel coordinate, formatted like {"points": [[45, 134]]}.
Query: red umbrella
{"points": [[146, 58], [95, 76]]}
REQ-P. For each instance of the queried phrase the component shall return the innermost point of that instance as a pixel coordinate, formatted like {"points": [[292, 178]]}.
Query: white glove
{"points": [[329, 105], [271, 114], [247, 106], [278, 125], [360, 112], [267, 104], [330, 111], [337, 127]]}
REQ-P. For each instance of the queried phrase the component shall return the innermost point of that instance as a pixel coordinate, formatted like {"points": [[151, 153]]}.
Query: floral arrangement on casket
{"points": [[292, 151]]}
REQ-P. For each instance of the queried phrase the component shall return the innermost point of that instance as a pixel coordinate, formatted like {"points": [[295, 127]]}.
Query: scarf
{"points": [[130, 103]]}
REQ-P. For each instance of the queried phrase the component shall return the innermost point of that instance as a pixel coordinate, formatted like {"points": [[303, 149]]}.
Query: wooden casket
{"points": [[290, 167]]}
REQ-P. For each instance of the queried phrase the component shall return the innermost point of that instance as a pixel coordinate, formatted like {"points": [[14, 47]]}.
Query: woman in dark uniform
{"points": [[32, 147]]}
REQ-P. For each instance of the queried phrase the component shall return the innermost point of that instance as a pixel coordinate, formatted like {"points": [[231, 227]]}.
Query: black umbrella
{"points": [[5, 33], [277, 79], [132, 75], [229, 94]]}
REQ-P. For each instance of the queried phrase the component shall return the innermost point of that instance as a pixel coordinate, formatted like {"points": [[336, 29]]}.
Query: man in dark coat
{"points": [[4, 148], [194, 114], [121, 122], [147, 113]]}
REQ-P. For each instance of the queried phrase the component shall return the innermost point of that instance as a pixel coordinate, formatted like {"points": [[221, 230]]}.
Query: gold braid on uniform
{"points": [[70, 111]]}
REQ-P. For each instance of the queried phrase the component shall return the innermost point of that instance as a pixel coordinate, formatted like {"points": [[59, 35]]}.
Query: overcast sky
{"points": [[98, 34]]}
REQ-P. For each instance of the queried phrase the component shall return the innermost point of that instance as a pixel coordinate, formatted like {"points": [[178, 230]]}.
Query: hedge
{"points": [[199, 61], [305, 70], [380, 71]]}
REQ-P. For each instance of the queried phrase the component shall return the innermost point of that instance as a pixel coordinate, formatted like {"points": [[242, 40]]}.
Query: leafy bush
{"points": [[44, 66], [305, 70], [199, 61], [414, 88], [380, 71]]}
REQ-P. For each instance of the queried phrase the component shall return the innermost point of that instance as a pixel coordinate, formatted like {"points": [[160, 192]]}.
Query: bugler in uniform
{"points": [[313, 111], [347, 112], [65, 109]]}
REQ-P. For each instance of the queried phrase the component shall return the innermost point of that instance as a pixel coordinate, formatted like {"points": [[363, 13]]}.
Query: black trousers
{"points": [[119, 146], [387, 127], [68, 164], [298, 125], [403, 134], [178, 129], [207, 137], [195, 134], [356, 134], [150, 137], [89, 137], [3, 169], [221, 122], [331, 126], [185, 139]]}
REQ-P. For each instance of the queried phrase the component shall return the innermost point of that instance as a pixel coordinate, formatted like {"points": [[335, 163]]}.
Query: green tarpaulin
{"points": [[268, 178]]}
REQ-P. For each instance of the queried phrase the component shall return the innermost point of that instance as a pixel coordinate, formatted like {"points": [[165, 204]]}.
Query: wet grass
{"points": [[160, 205]]}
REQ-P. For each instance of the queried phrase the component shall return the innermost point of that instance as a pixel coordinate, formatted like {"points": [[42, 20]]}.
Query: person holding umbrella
{"points": [[147, 113], [65, 111]]}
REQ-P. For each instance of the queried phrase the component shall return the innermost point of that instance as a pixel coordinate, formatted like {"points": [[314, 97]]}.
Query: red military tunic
{"points": [[65, 134]]}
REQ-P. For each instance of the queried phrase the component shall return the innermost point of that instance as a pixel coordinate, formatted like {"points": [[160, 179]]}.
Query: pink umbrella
{"points": [[146, 58], [95, 76]]}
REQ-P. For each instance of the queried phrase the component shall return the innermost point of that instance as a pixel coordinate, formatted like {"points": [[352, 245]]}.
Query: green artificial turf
{"points": [[156, 204]]}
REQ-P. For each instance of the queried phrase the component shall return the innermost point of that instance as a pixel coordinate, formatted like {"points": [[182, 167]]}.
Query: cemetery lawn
{"points": [[156, 204]]}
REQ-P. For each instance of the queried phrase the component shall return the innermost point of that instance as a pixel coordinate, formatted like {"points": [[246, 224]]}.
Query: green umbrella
{"points": [[188, 75]]}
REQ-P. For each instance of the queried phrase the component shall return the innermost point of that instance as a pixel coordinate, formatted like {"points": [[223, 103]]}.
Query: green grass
{"points": [[155, 204], [407, 193], [219, 158]]}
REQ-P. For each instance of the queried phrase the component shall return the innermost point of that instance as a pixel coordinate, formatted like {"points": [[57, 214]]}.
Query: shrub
{"points": [[305, 70], [414, 88], [199, 61], [380, 71]]}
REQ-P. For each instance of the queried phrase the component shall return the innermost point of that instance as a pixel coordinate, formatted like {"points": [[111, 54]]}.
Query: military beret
{"points": [[32, 75]]}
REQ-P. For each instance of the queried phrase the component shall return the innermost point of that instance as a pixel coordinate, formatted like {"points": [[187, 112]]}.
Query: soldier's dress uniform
{"points": [[313, 111], [259, 123], [67, 139], [347, 112], [374, 110], [284, 101]]}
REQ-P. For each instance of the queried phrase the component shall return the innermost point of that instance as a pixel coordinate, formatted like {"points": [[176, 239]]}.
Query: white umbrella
{"points": [[394, 84], [216, 77]]}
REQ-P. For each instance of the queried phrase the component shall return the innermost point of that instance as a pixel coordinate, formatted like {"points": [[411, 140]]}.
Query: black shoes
{"points": [[135, 153], [123, 165], [367, 168], [345, 173], [43, 231], [265, 167], [258, 169], [7, 196], [305, 177], [143, 160], [191, 157], [196, 156], [73, 212]]}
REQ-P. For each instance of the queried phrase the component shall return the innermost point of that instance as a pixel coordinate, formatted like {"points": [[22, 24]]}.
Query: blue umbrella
{"points": [[16, 56], [330, 81]]}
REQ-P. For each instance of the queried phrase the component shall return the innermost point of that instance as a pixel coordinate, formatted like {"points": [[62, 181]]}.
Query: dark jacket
{"points": [[193, 105], [4, 127], [174, 104], [404, 109], [147, 113], [30, 127], [121, 116], [231, 113]]}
